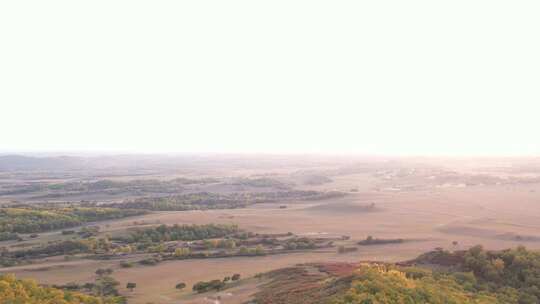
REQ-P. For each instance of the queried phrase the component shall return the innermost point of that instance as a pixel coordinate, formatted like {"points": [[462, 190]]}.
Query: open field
{"points": [[426, 206]]}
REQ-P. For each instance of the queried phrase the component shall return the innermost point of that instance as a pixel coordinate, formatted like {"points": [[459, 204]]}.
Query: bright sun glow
{"points": [[371, 77]]}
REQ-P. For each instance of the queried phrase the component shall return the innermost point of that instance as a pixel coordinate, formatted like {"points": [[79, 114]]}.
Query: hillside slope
{"points": [[474, 276]]}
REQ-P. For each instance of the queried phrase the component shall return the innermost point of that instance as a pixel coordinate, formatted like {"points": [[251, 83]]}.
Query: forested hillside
{"points": [[474, 276], [14, 291], [30, 219]]}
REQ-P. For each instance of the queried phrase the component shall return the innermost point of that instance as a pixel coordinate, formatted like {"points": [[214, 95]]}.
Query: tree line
{"points": [[31, 219], [177, 232]]}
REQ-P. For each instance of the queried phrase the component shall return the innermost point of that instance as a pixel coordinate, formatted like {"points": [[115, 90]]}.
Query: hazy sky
{"points": [[370, 77]]}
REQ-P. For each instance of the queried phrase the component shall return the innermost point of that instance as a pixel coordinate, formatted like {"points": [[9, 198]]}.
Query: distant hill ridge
{"points": [[21, 162]]}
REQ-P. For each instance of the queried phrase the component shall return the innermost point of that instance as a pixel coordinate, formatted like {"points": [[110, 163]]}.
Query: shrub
{"points": [[180, 286]]}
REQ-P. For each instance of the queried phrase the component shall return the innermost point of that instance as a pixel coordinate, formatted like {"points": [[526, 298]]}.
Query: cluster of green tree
{"points": [[386, 285], [180, 286], [257, 250], [30, 219], [7, 261], [475, 276], [150, 261], [16, 291], [513, 273], [207, 200], [165, 233], [199, 181], [131, 286], [87, 186], [115, 187], [187, 253], [59, 248], [224, 243], [260, 183], [67, 247], [300, 243], [209, 241], [22, 189], [182, 202], [8, 236], [140, 186], [28, 291], [126, 264], [85, 232], [374, 241], [143, 185], [205, 286], [95, 214], [316, 180], [104, 287], [308, 195]]}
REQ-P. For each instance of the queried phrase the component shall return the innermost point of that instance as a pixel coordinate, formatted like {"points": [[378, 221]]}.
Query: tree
{"points": [[216, 284], [203, 286], [180, 286], [243, 250], [200, 287], [89, 286], [231, 244], [126, 264], [14, 291], [130, 286], [106, 286], [103, 272], [259, 250], [235, 277], [181, 252]]}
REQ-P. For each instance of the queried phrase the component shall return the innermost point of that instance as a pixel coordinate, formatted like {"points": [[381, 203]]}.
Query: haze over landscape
{"points": [[283, 152]]}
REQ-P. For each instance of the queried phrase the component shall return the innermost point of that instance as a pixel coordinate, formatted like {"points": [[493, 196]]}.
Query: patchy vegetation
{"points": [[374, 241], [16, 291], [474, 276], [315, 180], [387, 285], [192, 201], [512, 274], [167, 243], [213, 285], [209, 241], [68, 247], [103, 288], [103, 186], [30, 219], [181, 233], [260, 183], [301, 284], [8, 236], [207, 200]]}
